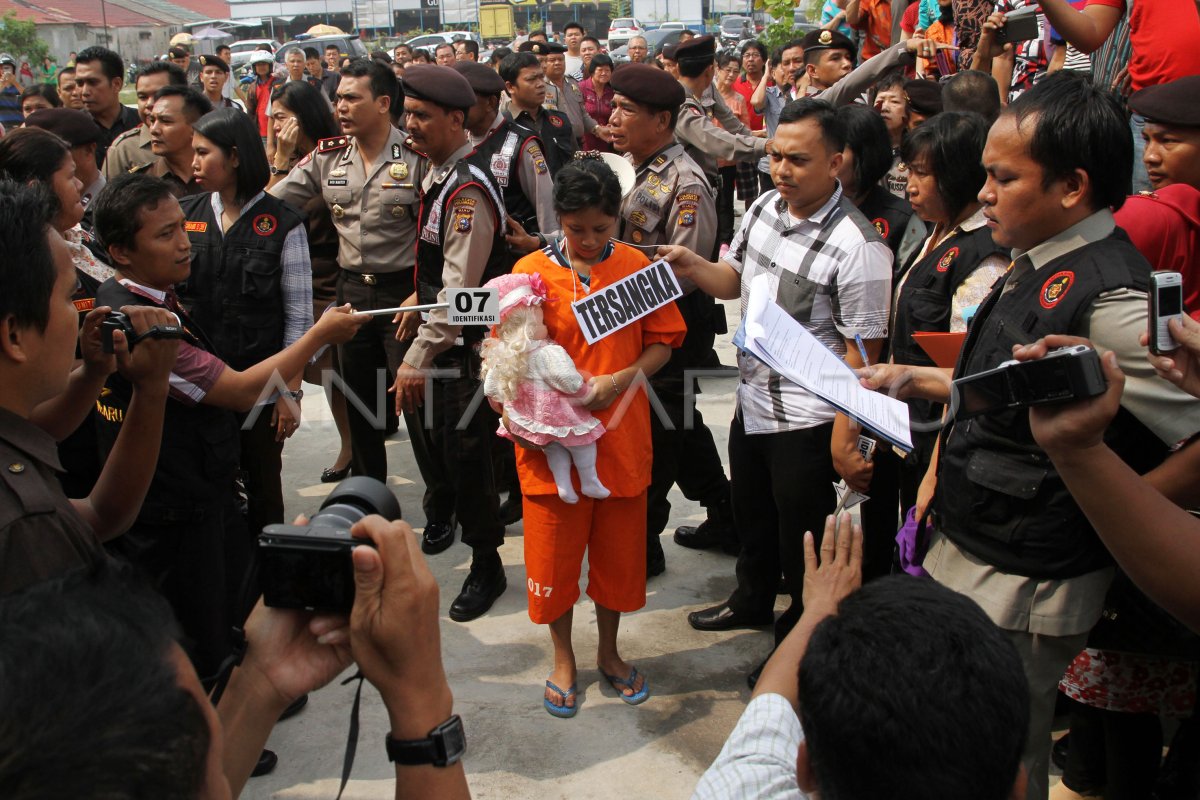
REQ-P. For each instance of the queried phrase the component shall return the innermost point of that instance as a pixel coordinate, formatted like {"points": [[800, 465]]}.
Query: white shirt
{"points": [[759, 757]]}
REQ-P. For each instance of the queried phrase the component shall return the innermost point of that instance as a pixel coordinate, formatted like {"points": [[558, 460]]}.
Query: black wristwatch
{"points": [[444, 746], [277, 171]]}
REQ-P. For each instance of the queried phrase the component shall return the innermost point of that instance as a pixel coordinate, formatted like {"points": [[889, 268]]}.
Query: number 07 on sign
{"points": [[463, 307]]}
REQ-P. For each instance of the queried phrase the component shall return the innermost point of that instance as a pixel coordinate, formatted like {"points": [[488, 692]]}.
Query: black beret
{"points": [[701, 48], [77, 127], [540, 48], [1171, 103], [647, 85], [178, 52], [827, 40], [213, 61], [924, 96], [483, 80], [438, 84]]}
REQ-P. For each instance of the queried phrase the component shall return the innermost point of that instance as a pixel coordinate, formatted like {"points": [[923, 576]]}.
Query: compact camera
{"points": [[118, 321], [1065, 374], [309, 566]]}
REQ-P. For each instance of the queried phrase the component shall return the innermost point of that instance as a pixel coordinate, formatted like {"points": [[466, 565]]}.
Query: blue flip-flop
{"points": [[628, 683], [564, 711]]}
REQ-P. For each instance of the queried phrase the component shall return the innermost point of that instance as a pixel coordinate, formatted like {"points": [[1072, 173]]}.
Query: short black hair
{"points": [[867, 137], [116, 211], [574, 24], [33, 155], [27, 276], [195, 105], [951, 144], [232, 129], [825, 115], [470, 45], [440, 46], [513, 63], [599, 60], [382, 80], [221, 47], [914, 680], [591, 39], [498, 56], [587, 183], [892, 79], [90, 701], [110, 62], [1078, 125], [311, 53], [332, 46], [45, 91], [175, 75], [540, 32], [727, 57], [313, 115], [972, 90]]}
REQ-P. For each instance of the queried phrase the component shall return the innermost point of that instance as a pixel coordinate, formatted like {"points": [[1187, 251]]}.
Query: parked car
{"points": [[735, 28], [653, 39], [348, 45], [430, 41], [672, 26], [622, 29], [239, 52]]}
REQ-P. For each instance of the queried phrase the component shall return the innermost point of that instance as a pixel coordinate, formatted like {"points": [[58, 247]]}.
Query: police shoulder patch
{"points": [[881, 225], [333, 143], [1056, 287], [537, 157], [463, 210], [265, 224]]}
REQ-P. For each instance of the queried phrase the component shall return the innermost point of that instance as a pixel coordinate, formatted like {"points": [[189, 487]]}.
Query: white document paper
{"points": [[787, 347]]}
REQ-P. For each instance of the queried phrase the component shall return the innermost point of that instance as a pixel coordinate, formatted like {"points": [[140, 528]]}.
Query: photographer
{"points": [[153, 732], [1008, 533], [188, 535], [42, 533]]}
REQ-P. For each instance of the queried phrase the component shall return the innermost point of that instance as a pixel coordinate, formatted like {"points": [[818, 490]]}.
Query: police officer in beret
{"points": [[214, 74], [368, 179], [525, 82], [703, 139], [460, 244], [82, 133], [563, 92], [672, 203], [924, 99], [830, 71]]}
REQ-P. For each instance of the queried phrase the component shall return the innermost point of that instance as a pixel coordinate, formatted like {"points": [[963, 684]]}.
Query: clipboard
{"points": [[943, 348]]}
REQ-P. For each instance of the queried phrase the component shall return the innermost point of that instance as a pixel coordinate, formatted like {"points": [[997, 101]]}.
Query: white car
{"points": [[239, 52], [672, 26], [430, 41], [622, 30]]}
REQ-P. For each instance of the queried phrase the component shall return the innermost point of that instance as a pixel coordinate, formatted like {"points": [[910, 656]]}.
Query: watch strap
{"points": [[444, 746]]}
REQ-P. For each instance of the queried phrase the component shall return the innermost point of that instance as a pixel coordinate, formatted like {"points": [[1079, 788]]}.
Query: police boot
{"points": [[717, 530], [483, 585]]}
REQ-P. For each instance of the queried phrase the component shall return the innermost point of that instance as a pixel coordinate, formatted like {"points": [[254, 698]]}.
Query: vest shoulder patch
{"points": [[1056, 287]]}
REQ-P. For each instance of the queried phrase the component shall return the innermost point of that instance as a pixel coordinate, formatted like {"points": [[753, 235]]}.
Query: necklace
{"points": [[583, 280]]}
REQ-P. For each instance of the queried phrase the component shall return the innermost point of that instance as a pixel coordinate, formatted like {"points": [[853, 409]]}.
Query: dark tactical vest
{"points": [[499, 155]]}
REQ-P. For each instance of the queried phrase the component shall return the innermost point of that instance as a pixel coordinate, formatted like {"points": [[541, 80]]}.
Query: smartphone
{"points": [[1166, 303], [1019, 26]]}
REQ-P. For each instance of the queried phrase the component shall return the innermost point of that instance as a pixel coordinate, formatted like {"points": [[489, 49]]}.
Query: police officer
{"points": [[512, 155], [460, 244], [672, 203], [170, 118], [214, 74], [703, 139], [133, 146], [368, 179], [562, 91], [525, 83]]}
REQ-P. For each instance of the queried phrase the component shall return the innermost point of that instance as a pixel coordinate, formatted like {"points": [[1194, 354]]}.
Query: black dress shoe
{"points": [[331, 475], [512, 508], [707, 534], [483, 585], [294, 709], [723, 618], [1058, 753], [266, 764], [656, 559], [437, 537]]}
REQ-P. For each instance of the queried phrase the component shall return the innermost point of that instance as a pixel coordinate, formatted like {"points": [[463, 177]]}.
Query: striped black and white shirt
{"points": [[832, 273]]}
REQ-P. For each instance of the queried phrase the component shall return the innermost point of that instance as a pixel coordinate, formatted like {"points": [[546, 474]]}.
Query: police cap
{"points": [[77, 127], [484, 81], [438, 84], [540, 48], [697, 50], [647, 85], [1171, 103], [213, 61], [924, 96], [827, 40]]}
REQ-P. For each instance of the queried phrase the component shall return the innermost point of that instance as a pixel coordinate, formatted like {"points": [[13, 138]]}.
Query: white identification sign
{"points": [[608, 310], [473, 306]]}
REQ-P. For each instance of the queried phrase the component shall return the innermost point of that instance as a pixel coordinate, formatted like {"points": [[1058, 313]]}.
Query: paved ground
{"points": [[497, 664]]}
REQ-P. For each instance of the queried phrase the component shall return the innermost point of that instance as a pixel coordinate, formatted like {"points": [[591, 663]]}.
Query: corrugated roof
{"points": [[85, 12]]}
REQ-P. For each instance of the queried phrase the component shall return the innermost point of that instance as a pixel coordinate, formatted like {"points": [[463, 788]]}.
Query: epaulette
{"points": [[140, 167], [333, 143], [126, 135], [411, 145]]}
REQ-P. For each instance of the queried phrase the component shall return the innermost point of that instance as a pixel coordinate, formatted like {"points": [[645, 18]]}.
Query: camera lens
{"points": [[353, 499]]}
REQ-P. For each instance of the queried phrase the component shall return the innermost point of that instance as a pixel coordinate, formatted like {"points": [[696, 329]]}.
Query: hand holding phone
{"points": [[1165, 303]]}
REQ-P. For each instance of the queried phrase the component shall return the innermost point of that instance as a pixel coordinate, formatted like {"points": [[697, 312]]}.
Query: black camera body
{"points": [[1065, 374], [115, 321], [309, 566]]}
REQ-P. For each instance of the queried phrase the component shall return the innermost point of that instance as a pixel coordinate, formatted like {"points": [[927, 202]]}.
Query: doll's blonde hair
{"points": [[508, 351]]}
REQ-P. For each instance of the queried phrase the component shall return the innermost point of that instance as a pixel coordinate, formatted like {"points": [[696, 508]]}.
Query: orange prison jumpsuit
{"points": [[612, 531]]}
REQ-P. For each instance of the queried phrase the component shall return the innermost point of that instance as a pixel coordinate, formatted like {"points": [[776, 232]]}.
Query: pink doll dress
{"points": [[546, 408]]}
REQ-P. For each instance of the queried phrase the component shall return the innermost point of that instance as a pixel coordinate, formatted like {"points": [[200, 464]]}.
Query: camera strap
{"points": [[352, 734], [166, 332]]}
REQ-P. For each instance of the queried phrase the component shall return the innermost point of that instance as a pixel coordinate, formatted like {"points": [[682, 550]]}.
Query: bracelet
{"points": [[613, 378]]}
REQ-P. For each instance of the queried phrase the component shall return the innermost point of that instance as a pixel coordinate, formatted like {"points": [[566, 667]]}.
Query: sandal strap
{"points": [[564, 695]]}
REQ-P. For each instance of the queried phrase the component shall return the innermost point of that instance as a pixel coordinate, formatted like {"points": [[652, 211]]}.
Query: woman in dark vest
{"points": [[953, 271], [300, 118], [250, 288]]}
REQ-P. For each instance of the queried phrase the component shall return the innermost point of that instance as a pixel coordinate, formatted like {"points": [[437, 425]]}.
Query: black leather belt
{"points": [[378, 278]]}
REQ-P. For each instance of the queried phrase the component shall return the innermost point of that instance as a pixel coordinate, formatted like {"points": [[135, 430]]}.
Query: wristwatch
{"points": [[277, 171], [297, 395], [444, 746]]}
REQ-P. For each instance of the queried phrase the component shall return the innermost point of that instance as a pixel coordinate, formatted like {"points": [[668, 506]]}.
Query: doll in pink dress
{"points": [[536, 382]]}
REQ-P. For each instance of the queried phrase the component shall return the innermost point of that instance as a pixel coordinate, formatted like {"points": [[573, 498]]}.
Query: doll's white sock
{"points": [[584, 456], [560, 466]]}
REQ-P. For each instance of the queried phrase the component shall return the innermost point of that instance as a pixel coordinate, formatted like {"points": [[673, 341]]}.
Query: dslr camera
{"points": [[119, 321], [309, 566], [1063, 375]]}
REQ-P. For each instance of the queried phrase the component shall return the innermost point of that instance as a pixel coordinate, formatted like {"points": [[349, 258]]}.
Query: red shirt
{"points": [[1164, 226], [1166, 40], [746, 89]]}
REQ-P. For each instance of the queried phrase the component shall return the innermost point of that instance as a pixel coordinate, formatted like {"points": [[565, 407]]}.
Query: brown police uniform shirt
{"points": [[130, 149], [470, 235], [374, 208], [569, 100], [671, 203], [41, 534], [706, 142], [159, 169]]}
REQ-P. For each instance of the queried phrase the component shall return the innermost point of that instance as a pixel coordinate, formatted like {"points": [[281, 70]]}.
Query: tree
{"points": [[19, 38]]}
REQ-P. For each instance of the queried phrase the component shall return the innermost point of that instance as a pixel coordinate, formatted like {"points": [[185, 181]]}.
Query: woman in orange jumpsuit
{"points": [[587, 197]]}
